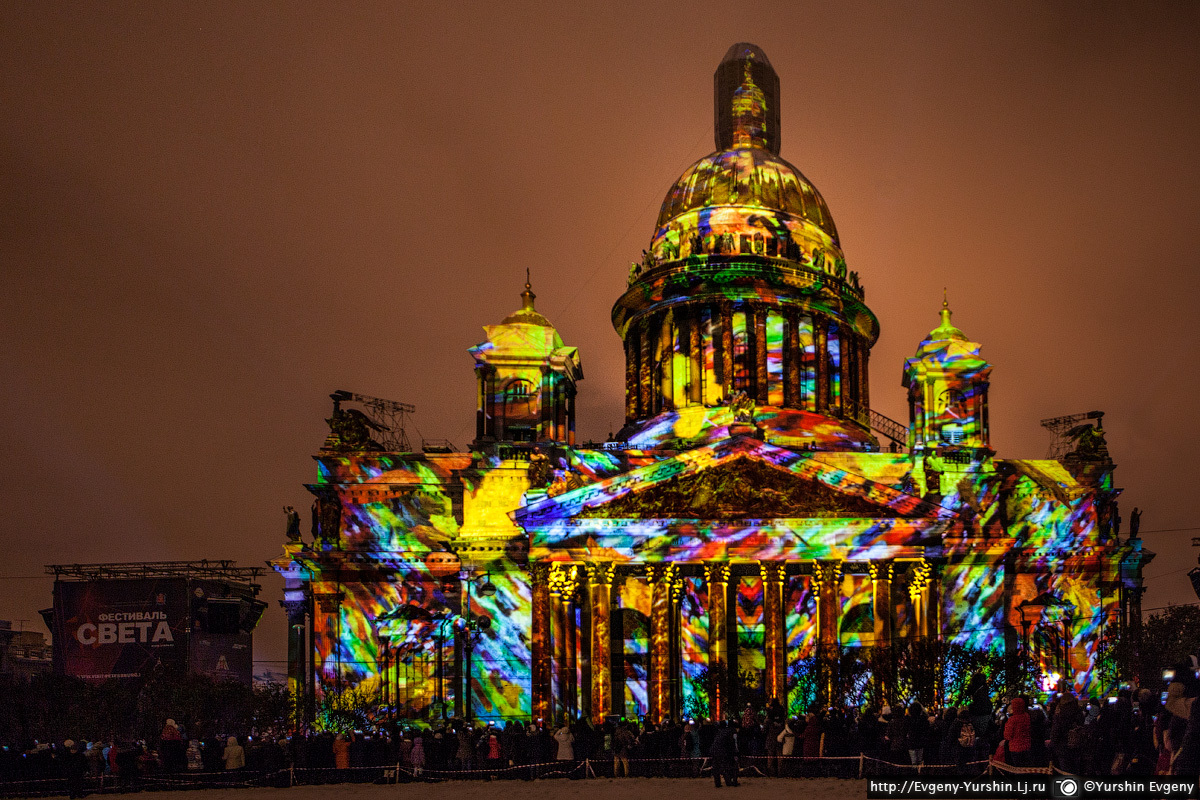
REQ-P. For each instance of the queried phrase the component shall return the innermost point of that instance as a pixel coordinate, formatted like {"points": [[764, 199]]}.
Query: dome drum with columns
{"points": [[744, 288], [745, 525]]}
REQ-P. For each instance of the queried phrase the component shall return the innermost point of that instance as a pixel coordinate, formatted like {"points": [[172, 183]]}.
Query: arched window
{"points": [[520, 410]]}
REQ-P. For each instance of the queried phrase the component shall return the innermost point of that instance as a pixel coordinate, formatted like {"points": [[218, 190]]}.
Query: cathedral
{"points": [[754, 532]]}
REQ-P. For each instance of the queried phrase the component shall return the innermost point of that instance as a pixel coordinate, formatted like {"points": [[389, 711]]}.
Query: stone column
{"points": [[821, 348], [758, 319], [677, 647], [297, 611], [881, 594], [666, 384], [716, 576], [726, 349], [864, 385], [540, 677], [695, 356], [919, 597], [931, 602], [544, 400], [645, 367], [792, 359], [600, 580], [659, 683], [632, 351], [774, 633], [558, 580], [827, 579], [490, 387]]}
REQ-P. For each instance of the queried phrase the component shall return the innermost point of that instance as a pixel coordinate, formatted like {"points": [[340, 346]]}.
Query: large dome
{"points": [[752, 177], [744, 198], [744, 296]]}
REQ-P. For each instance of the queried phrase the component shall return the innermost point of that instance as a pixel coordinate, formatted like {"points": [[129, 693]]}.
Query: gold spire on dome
{"points": [[749, 112], [946, 330], [527, 296]]}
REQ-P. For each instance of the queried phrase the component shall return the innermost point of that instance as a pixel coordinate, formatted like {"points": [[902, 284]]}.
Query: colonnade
{"points": [[699, 354], [561, 685]]}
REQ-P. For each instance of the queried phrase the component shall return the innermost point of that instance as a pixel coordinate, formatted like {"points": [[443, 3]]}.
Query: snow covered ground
{"points": [[620, 789]]}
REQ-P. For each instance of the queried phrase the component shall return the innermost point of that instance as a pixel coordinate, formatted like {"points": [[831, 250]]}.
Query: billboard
{"points": [[119, 628]]}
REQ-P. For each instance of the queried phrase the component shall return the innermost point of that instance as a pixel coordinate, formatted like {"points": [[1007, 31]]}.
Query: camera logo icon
{"points": [[1066, 787]]}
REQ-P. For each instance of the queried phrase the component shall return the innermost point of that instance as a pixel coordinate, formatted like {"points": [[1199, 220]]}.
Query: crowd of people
{"points": [[1134, 732]]}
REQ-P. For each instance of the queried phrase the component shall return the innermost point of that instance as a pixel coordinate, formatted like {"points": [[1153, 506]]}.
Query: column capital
{"points": [[539, 573], [564, 580], [328, 602], [661, 573], [919, 579], [827, 572], [773, 571], [295, 610], [881, 570], [716, 572], [601, 572]]}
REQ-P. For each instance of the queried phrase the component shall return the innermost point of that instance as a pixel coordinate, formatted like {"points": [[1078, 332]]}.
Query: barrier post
{"points": [[860, 766]]}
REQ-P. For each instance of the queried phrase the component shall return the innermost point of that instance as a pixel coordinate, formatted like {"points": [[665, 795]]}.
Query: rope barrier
{"points": [[603, 767]]}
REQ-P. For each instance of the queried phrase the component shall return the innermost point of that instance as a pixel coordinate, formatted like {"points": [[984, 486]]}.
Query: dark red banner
{"points": [[119, 628]]}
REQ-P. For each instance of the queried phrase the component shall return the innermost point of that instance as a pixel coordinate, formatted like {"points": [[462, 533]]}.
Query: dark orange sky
{"points": [[213, 215]]}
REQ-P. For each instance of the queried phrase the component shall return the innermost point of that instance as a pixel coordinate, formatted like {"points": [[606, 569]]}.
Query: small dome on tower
{"points": [[946, 330], [527, 314]]}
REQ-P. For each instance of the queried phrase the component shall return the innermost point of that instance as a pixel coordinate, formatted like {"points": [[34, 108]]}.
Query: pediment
{"points": [[738, 478], [741, 487]]}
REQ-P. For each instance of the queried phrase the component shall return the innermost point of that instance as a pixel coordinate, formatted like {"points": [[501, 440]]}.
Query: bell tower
{"points": [[526, 380], [947, 386]]}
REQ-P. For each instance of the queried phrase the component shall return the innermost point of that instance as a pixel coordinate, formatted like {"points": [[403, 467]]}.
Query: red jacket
{"points": [[1016, 730]]}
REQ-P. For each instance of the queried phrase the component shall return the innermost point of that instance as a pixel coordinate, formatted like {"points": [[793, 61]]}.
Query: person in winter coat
{"points": [[787, 739], [466, 749], [234, 755], [814, 734], [566, 743], [690, 741], [1063, 744], [774, 744], [724, 755], [417, 756], [1187, 760], [961, 738], [1017, 732], [171, 747], [916, 732], [1144, 753], [893, 727], [623, 742], [1172, 726], [979, 704], [195, 759], [74, 769], [341, 752]]}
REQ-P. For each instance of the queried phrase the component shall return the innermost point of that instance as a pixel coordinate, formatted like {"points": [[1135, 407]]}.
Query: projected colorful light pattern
{"points": [[744, 289]]}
